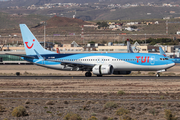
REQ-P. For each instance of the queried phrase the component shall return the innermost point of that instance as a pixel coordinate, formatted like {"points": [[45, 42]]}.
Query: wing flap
{"points": [[72, 63]]}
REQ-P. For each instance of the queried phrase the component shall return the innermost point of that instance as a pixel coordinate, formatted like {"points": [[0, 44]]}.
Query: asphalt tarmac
{"points": [[93, 77]]}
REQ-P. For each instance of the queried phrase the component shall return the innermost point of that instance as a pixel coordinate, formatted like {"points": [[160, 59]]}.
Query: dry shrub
{"points": [[154, 112], [49, 102], [169, 115], [110, 118], [169, 74], [151, 73], [120, 92], [93, 118], [72, 116], [110, 104], [2, 109], [19, 111], [27, 102], [125, 117], [122, 111]]}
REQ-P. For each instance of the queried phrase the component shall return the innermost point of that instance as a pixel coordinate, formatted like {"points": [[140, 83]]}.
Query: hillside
{"points": [[133, 13], [61, 25], [90, 14], [12, 21], [41, 2], [63, 21], [55, 25]]}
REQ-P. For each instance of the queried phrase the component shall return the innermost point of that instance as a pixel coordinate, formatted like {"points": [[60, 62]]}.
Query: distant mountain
{"points": [[40, 2], [134, 13], [63, 21], [9, 3]]}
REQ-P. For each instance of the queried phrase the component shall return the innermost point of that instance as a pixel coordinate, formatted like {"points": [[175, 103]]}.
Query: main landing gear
{"points": [[88, 74]]}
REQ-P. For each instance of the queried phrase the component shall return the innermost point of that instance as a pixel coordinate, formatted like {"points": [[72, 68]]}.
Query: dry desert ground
{"points": [[87, 99]]}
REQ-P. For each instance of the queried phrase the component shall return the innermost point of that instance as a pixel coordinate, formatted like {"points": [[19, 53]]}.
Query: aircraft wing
{"points": [[73, 63]]}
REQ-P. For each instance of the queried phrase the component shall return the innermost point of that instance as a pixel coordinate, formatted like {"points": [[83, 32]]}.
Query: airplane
{"points": [[97, 63], [129, 48], [175, 60]]}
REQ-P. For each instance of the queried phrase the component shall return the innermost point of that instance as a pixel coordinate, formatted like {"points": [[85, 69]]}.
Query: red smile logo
{"points": [[31, 45], [164, 55]]}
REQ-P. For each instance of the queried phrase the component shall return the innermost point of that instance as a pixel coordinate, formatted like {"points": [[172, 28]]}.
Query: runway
{"points": [[101, 99], [93, 77]]}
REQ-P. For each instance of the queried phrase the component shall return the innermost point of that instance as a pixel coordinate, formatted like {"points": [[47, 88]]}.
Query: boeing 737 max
{"points": [[97, 63], [175, 60]]}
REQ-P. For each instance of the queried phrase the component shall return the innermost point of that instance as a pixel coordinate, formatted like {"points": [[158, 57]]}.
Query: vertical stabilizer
{"points": [[162, 52], [129, 49], [31, 44]]}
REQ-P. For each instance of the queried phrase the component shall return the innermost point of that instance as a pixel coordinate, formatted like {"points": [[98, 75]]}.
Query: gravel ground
{"points": [[54, 99]]}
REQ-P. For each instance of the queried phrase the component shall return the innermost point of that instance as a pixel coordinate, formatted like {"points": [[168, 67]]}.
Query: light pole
{"points": [[145, 38], [44, 34]]}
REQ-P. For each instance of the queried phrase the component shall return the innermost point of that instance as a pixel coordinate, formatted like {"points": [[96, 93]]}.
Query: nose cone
{"points": [[170, 63]]}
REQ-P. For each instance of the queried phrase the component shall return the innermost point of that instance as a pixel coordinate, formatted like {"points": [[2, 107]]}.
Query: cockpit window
{"points": [[163, 58]]}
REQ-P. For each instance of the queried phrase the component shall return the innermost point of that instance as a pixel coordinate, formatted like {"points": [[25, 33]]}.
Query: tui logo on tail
{"points": [[164, 55], [31, 45]]}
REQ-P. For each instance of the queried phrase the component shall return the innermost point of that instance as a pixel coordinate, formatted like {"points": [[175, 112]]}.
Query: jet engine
{"points": [[122, 72], [103, 69]]}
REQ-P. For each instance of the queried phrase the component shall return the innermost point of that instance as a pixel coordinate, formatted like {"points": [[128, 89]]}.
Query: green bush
{"points": [[110, 104], [93, 118], [19, 111], [169, 115], [72, 116], [120, 92], [122, 111]]}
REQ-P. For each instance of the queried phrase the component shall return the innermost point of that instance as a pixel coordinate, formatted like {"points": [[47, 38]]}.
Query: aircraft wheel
{"points": [[99, 75], [88, 74], [157, 75]]}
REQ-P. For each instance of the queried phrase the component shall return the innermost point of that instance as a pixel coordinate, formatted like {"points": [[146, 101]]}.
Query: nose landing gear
{"points": [[158, 72], [158, 75]]}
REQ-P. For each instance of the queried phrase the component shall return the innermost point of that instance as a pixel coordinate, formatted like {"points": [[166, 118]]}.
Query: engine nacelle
{"points": [[103, 69], [122, 72]]}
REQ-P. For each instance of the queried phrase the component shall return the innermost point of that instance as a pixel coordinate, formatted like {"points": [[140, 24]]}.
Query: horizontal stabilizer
{"points": [[21, 56]]}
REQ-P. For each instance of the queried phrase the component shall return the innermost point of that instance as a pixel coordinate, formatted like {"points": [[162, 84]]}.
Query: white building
{"points": [[178, 32], [132, 23]]}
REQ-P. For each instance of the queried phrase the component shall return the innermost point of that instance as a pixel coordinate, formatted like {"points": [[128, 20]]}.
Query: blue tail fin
{"points": [[162, 52], [31, 44]]}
